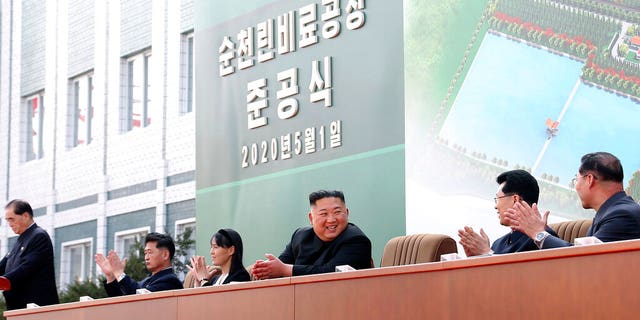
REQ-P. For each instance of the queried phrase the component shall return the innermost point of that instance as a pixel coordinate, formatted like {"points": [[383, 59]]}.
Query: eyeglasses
{"points": [[500, 197], [575, 178]]}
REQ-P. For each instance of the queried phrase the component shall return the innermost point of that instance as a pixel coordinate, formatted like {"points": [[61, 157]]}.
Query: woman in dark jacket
{"points": [[226, 254]]}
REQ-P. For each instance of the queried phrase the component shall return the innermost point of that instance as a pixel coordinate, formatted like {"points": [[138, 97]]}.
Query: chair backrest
{"points": [[569, 230], [417, 248], [189, 281]]}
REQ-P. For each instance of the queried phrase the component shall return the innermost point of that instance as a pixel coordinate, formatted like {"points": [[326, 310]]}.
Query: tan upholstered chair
{"points": [[417, 248], [189, 281], [569, 230]]}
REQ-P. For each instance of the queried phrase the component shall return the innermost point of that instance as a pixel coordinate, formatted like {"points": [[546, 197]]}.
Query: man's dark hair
{"points": [[603, 165], [321, 194], [520, 182], [20, 207], [162, 241], [227, 238]]}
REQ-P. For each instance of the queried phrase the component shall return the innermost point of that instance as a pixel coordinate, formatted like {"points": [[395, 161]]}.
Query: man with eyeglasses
{"points": [[514, 186], [599, 184], [330, 241]]}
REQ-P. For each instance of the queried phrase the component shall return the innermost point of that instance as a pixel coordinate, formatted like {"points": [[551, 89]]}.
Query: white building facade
{"points": [[97, 122]]}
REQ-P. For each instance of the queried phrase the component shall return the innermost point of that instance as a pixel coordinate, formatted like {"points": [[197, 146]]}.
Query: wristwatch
{"points": [[539, 239], [121, 276]]}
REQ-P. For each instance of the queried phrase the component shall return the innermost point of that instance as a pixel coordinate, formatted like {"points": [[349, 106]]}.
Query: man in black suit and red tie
{"points": [[28, 266]]}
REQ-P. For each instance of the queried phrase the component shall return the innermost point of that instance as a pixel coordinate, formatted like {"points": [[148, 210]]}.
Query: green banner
{"points": [[293, 97]]}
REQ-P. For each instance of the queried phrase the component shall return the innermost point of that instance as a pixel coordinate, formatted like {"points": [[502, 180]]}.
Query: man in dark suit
{"points": [[330, 241], [513, 186], [158, 253], [599, 184], [29, 264]]}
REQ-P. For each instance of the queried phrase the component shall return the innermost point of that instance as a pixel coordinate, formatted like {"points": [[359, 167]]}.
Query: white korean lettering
{"points": [[286, 33], [245, 48], [256, 101], [288, 108], [336, 134], [227, 53], [320, 87], [331, 27], [355, 16], [285, 146], [265, 41], [308, 26], [310, 140]]}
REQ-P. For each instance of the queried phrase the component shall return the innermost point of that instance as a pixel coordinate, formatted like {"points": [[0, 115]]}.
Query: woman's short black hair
{"points": [[227, 238]]}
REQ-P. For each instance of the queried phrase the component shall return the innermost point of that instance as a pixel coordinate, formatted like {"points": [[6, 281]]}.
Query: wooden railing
{"points": [[589, 282]]}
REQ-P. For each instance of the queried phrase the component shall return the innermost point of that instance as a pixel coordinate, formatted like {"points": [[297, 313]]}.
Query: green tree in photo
{"points": [[631, 30], [3, 308], [185, 243], [623, 49], [74, 291]]}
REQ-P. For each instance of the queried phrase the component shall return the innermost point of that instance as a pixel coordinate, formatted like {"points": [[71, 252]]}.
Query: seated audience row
{"points": [[27, 270], [330, 241], [599, 184]]}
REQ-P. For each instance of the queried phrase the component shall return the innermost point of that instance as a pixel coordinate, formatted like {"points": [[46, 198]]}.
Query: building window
{"points": [[76, 261], [81, 110], [34, 114], [186, 74], [125, 240], [137, 102]]}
